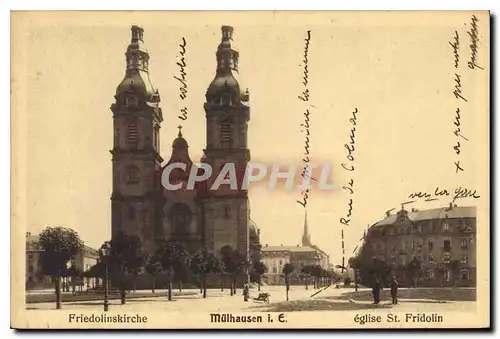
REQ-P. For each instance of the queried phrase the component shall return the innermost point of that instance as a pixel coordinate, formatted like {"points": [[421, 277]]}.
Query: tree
{"points": [[153, 267], [59, 246], [354, 263], [202, 264], [259, 268], [316, 273], [288, 269], [306, 272], [233, 263], [135, 267], [172, 257], [126, 255], [413, 269]]}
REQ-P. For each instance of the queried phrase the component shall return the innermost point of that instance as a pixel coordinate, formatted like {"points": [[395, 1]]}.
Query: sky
{"points": [[396, 69]]}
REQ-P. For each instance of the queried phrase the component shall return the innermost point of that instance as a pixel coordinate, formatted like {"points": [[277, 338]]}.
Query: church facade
{"points": [[140, 205]]}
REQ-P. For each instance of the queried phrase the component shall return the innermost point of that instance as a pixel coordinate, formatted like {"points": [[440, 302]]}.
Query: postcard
{"points": [[250, 170]]}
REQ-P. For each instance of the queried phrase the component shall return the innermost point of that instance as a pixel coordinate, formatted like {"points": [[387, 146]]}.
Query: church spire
{"points": [[137, 70], [306, 238], [137, 55], [225, 89]]}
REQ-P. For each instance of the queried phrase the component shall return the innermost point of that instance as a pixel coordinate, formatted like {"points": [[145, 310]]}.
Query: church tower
{"points": [[306, 237], [226, 210], [135, 154]]}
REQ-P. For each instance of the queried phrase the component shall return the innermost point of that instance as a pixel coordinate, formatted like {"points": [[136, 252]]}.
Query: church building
{"points": [[140, 205]]}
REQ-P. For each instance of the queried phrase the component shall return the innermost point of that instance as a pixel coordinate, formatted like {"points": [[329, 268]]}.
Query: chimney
{"points": [[266, 245], [388, 213], [298, 245], [28, 234]]}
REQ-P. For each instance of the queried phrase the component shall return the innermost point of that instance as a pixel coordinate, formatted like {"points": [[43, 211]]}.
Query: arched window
{"points": [[180, 216], [133, 174]]}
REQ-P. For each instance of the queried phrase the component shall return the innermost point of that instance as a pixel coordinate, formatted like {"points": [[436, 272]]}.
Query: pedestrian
{"points": [[376, 291], [394, 290], [246, 292]]}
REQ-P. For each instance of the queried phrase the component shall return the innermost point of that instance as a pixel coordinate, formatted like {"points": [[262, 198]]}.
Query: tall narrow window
{"points": [[156, 138], [133, 135], [463, 243], [225, 131]]}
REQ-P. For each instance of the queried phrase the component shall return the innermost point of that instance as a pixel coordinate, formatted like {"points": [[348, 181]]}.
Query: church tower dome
{"points": [[224, 90], [136, 78]]}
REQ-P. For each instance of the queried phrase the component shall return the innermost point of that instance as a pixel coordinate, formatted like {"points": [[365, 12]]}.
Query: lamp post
{"points": [[105, 252]]}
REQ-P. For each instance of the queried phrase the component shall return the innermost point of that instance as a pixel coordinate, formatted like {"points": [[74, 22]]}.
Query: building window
{"points": [[420, 228], [131, 101], [446, 227], [393, 248], [180, 215], [446, 258], [156, 138], [420, 245], [464, 274], [226, 135], [413, 245], [393, 261], [464, 260], [447, 275], [430, 244], [430, 274], [447, 245], [431, 227], [133, 135], [403, 260], [431, 259], [463, 243], [133, 174]]}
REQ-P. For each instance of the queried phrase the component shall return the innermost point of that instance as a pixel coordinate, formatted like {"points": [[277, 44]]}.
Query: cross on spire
{"points": [[180, 133]]}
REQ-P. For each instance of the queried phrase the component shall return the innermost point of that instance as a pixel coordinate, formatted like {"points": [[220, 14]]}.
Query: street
{"points": [[299, 300]]}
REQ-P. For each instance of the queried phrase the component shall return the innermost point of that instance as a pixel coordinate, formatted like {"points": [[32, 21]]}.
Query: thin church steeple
{"points": [[306, 237]]}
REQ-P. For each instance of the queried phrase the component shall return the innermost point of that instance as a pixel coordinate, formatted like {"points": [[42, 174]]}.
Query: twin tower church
{"points": [[200, 218]]}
